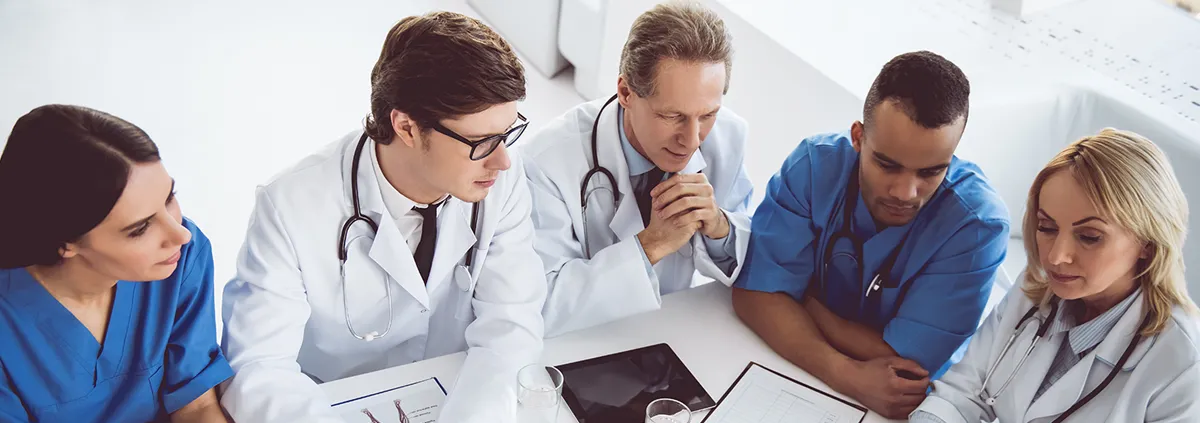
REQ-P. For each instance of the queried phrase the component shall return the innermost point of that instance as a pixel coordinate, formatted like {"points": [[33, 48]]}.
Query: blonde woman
{"points": [[1103, 329]]}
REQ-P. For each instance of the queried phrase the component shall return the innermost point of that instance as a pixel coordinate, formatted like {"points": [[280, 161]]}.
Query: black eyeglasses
{"points": [[484, 147]]}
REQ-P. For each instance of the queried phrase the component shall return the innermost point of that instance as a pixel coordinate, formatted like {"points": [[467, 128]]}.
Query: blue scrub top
{"points": [[945, 268], [160, 350]]}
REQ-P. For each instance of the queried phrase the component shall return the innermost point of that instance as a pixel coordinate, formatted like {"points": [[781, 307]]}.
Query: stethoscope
{"points": [[855, 258], [343, 249], [595, 168], [1043, 327]]}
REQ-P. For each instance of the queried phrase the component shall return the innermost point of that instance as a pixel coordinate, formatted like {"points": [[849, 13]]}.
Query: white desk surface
{"points": [[699, 324]]}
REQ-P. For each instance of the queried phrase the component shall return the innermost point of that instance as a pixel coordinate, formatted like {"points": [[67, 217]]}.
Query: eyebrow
{"points": [[1077, 222], [479, 137], [884, 158], [135, 225], [677, 112]]}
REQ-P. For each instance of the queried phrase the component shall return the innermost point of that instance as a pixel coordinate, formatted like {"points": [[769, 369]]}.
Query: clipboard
{"points": [[796, 399]]}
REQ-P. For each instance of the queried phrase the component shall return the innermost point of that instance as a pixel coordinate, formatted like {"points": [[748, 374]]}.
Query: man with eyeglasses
{"points": [[406, 240]]}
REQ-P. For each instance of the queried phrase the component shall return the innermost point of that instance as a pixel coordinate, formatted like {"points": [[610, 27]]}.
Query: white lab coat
{"points": [[614, 283], [1160, 381], [283, 311]]}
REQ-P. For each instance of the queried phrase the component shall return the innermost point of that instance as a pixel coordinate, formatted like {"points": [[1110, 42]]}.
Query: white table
{"points": [[695, 323]]}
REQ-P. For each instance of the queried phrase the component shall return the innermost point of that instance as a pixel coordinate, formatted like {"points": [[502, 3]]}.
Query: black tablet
{"points": [[617, 387]]}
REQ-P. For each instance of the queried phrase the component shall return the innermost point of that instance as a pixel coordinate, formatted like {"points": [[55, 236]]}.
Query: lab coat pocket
{"points": [[464, 286]]}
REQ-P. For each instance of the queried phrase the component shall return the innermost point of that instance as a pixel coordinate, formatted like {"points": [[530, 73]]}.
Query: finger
{"points": [[691, 217], [665, 185], [668, 196], [905, 410], [682, 205], [908, 365], [692, 178], [911, 387]]}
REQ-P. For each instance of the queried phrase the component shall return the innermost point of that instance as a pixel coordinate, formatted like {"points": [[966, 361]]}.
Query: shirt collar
{"points": [[638, 164], [1083, 338], [395, 202]]}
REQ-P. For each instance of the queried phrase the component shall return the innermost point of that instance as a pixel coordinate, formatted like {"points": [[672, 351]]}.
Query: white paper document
{"points": [[420, 402], [761, 395]]}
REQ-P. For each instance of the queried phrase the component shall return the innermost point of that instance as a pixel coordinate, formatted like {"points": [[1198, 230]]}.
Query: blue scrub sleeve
{"points": [[194, 362], [11, 409], [945, 302], [782, 236]]}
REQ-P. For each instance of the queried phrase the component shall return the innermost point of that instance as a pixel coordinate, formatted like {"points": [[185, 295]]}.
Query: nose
{"points": [[498, 160], [904, 187], [177, 234], [1062, 250], [691, 136]]}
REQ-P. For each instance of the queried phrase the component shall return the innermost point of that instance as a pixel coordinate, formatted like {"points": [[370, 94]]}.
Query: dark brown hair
{"points": [[63, 169], [439, 66]]}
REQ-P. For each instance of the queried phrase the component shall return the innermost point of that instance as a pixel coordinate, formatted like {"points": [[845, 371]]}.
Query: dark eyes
{"points": [[141, 229]]}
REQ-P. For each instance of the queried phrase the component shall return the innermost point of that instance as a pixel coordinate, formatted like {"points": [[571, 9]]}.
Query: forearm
{"points": [[850, 338], [788, 329], [205, 409]]}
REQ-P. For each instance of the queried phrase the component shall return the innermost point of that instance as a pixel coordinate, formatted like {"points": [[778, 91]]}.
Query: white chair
{"points": [[530, 26]]}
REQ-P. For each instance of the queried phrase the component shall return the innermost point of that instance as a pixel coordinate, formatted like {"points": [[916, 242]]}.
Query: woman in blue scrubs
{"points": [[106, 291]]}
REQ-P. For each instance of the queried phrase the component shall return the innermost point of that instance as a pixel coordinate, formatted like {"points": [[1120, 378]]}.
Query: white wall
{"points": [[232, 93]]}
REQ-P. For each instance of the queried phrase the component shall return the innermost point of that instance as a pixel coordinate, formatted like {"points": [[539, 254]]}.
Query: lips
{"points": [[486, 184], [904, 209], [675, 155], [1061, 278], [173, 259]]}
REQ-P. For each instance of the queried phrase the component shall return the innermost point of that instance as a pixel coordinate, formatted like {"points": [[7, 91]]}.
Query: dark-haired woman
{"points": [[106, 291]]}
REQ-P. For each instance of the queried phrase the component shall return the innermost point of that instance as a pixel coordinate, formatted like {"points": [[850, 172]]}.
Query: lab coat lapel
{"points": [[455, 237], [1075, 384], [1063, 393], [1113, 346], [1030, 375], [627, 221], [389, 249]]}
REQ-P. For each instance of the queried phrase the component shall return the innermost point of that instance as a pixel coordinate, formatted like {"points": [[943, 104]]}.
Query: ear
{"points": [[405, 128], [68, 250], [624, 93], [857, 134], [1147, 251]]}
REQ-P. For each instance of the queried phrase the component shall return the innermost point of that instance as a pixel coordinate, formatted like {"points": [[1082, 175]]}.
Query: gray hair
{"points": [[680, 30]]}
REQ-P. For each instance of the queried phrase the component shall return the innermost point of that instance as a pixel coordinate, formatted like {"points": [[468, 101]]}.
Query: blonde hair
{"points": [[1128, 179], [681, 30]]}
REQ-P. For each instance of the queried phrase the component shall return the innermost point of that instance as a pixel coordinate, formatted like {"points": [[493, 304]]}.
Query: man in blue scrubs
{"points": [[889, 199]]}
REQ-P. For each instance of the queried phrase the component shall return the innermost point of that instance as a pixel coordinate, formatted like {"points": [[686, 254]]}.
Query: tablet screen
{"points": [[616, 388]]}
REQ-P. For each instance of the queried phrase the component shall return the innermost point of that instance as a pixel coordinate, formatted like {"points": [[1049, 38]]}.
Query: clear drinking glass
{"points": [[667, 410], [539, 394]]}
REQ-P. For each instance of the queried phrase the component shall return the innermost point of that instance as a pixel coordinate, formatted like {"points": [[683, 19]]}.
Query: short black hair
{"points": [[61, 173], [931, 90]]}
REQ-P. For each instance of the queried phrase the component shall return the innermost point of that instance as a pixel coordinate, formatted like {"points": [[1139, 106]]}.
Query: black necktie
{"points": [[653, 178], [424, 254]]}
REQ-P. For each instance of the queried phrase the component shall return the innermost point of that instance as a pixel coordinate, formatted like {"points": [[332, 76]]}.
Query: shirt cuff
{"points": [[925, 417], [645, 259], [723, 252]]}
